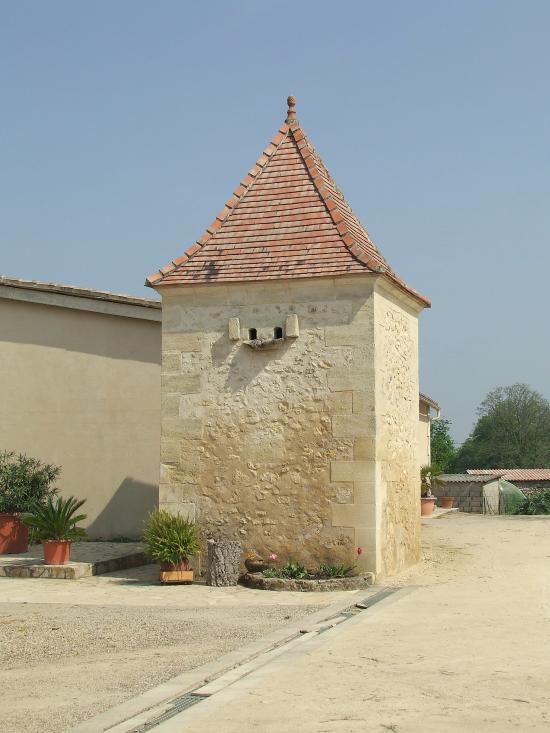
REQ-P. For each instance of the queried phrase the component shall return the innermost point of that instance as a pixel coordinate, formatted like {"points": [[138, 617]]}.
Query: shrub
{"points": [[25, 482], [56, 519], [169, 537], [535, 504]]}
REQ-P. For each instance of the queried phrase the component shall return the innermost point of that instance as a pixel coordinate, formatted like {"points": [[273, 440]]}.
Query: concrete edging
{"points": [[128, 715]]}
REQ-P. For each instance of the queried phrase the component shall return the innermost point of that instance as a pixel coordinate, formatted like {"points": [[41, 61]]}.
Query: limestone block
{"points": [[363, 401], [353, 334], [174, 427], [340, 379], [181, 342], [181, 383], [354, 426], [344, 515], [292, 327], [171, 317], [342, 493], [234, 328], [172, 493], [171, 361], [352, 470], [184, 508], [364, 449], [170, 405], [341, 403], [170, 450], [360, 516]]}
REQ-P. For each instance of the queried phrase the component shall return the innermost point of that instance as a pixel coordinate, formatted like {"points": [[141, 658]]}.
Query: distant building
{"points": [[524, 478], [79, 387]]}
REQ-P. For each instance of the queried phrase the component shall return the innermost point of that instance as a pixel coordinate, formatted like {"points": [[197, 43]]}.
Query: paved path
{"points": [[467, 650]]}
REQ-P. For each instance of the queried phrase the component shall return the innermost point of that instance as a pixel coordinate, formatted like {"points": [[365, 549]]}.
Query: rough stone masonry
{"points": [[290, 374]]}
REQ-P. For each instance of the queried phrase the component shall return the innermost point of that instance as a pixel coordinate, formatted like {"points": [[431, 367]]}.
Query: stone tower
{"points": [[290, 374]]}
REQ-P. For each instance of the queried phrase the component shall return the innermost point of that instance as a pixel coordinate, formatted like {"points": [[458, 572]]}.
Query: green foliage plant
{"points": [[293, 570], [271, 573], [57, 519], [170, 538], [335, 571], [25, 482], [442, 446], [429, 479], [535, 504], [512, 431]]}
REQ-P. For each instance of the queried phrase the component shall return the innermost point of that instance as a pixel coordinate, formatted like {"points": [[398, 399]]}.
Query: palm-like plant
{"points": [[170, 538], [56, 520], [429, 479]]}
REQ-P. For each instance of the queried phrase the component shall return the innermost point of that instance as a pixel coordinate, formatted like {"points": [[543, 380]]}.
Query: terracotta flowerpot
{"points": [[179, 572], [255, 566], [14, 535], [427, 505], [446, 502], [56, 552]]}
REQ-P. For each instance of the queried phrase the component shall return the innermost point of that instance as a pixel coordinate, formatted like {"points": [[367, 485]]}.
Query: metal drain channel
{"points": [[179, 704]]}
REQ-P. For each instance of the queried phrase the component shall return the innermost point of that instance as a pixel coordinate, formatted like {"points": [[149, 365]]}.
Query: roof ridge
{"points": [[230, 205]]}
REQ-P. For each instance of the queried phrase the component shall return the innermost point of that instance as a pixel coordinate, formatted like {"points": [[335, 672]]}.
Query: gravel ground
{"points": [[60, 663]]}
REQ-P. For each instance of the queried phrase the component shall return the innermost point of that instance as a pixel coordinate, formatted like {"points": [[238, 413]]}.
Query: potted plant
{"points": [[446, 502], [428, 479], [171, 540], [24, 483], [55, 523]]}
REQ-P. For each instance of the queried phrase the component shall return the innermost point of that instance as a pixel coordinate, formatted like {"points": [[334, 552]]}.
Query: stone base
{"points": [[257, 580], [87, 558]]}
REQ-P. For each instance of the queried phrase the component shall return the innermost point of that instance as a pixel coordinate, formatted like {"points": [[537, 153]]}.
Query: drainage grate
{"points": [[178, 706], [189, 699]]}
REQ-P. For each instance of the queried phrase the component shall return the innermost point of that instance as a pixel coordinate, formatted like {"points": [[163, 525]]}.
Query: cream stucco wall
{"points": [[424, 427], [310, 449], [82, 390]]}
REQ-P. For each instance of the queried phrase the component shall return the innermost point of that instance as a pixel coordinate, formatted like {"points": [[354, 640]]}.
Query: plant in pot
{"points": [[24, 483], [428, 480], [55, 524], [171, 540]]}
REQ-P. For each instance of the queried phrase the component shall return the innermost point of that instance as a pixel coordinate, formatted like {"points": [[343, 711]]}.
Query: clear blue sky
{"points": [[125, 125]]}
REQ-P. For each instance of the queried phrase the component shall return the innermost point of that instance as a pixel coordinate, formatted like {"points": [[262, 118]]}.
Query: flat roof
{"points": [[71, 296]]}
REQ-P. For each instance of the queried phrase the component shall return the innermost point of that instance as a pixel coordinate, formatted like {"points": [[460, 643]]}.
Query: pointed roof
{"points": [[287, 219]]}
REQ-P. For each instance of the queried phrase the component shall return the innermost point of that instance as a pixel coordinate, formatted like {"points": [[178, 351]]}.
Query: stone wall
{"points": [[279, 448], [398, 486]]}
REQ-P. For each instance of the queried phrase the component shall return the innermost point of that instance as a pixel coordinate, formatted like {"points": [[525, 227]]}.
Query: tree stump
{"points": [[224, 561]]}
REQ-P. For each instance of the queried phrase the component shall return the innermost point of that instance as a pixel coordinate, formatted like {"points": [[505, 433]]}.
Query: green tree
{"points": [[441, 444], [512, 431]]}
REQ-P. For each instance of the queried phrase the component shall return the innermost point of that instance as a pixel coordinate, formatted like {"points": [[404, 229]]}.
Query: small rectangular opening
{"points": [[278, 332], [252, 334]]}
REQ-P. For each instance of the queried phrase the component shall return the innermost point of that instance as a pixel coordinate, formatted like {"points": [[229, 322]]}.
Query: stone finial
{"points": [[291, 114]]}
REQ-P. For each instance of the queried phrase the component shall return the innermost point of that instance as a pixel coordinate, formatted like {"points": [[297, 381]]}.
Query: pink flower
{"points": [[273, 556], [359, 550]]}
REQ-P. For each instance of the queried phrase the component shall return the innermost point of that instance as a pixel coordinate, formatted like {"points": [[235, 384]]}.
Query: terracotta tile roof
{"points": [[514, 474], [287, 219]]}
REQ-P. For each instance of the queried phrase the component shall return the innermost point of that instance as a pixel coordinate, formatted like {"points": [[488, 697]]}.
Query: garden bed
{"points": [[260, 582]]}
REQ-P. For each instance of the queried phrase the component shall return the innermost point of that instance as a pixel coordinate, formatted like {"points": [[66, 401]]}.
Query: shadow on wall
{"points": [[126, 511]]}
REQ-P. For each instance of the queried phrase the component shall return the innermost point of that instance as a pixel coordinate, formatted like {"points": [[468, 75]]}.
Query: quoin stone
{"points": [[307, 444]]}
